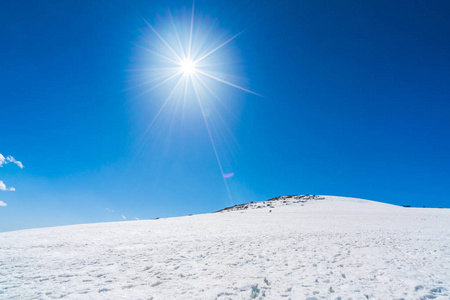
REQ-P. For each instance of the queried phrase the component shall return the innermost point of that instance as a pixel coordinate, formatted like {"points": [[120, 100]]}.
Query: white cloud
{"points": [[112, 211], [4, 188], [10, 159], [4, 161], [13, 160]]}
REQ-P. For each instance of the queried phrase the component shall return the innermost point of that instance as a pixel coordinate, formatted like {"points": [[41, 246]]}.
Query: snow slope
{"points": [[328, 248]]}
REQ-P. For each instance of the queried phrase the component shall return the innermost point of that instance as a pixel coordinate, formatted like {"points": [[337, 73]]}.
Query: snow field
{"points": [[334, 248]]}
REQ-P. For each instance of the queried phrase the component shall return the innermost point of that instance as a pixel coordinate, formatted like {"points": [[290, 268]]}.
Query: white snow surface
{"points": [[327, 248]]}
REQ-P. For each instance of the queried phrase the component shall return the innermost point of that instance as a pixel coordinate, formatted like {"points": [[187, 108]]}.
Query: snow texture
{"points": [[305, 248]]}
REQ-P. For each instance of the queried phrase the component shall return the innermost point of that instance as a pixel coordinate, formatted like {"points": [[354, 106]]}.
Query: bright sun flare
{"points": [[187, 67]]}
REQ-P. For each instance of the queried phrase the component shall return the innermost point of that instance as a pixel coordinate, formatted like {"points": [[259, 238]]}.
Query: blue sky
{"points": [[355, 103]]}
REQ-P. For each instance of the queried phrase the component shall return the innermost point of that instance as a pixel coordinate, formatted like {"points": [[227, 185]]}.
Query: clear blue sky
{"points": [[356, 103]]}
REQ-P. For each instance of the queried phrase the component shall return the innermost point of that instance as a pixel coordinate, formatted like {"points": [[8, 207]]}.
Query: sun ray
{"points": [[163, 40], [160, 55], [218, 115], [217, 48], [190, 33], [148, 82], [209, 89], [162, 82], [202, 42], [162, 107], [229, 83], [184, 96], [212, 140], [178, 37], [154, 69]]}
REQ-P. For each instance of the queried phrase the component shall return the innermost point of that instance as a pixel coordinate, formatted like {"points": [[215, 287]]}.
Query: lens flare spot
{"points": [[228, 175]]}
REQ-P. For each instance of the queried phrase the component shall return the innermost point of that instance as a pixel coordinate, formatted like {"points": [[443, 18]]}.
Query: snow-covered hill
{"points": [[316, 248]]}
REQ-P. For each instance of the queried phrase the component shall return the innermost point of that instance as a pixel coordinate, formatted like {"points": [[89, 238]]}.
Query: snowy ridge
{"points": [[274, 202], [334, 248]]}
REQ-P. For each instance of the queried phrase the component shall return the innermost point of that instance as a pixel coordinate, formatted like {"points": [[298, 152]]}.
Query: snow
{"points": [[322, 248]]}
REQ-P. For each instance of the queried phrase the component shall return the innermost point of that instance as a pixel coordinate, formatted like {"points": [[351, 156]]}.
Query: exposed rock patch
{"points": [[274, 202]]}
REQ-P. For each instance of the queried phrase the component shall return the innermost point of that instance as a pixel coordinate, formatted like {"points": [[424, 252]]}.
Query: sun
{"points": [[188, 67], [188, 64]]}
